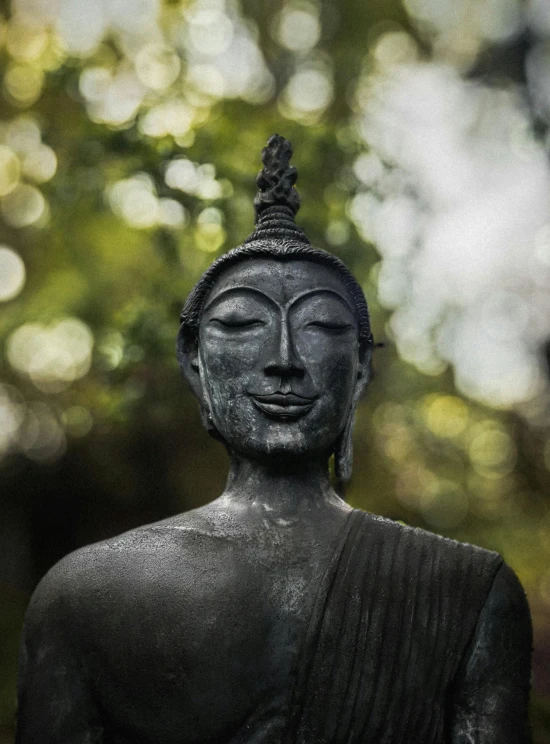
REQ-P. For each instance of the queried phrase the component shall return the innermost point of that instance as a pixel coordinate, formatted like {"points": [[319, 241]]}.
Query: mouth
{"points": [[283, 405]]}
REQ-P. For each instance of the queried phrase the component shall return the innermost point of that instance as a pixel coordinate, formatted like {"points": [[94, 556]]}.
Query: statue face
{"points": [[279, 357]]}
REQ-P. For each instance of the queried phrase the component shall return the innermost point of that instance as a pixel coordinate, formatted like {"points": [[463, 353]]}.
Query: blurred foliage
{"points": [[129, 145]]}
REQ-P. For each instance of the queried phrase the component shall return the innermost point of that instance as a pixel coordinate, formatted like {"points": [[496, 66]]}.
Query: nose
{"points": [[283, 361]]}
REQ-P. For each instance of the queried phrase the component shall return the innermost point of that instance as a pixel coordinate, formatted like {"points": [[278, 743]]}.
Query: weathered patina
{"points": [[277, 613]]}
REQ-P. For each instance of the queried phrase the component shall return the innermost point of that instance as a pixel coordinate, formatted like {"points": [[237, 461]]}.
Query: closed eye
{"points": [[330, 326], [235, 323]]}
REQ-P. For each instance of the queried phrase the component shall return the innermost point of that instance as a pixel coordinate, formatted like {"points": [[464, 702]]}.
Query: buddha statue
{"points": [[277, 614]]}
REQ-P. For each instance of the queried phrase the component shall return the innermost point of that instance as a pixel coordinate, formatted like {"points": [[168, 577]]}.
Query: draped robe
{"points": [[392, 619]]}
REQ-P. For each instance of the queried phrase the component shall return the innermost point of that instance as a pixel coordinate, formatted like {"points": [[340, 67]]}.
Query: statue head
{"points": [[275, 338]]}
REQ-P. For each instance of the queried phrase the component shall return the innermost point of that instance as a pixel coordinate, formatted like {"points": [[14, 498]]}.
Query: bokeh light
{"points": [[173, 117], [135, 201], [298, 27], [307, 94], [25, 43], [199, 180], [40, 164], [157, 66], [23, 83], [210, 234], [23, 206], [23, 134], [51, 356], [210, 30], [446, 415], [9, 170], [12, 273]]}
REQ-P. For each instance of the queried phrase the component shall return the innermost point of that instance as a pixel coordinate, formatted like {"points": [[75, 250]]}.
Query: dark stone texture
{"points": [[276, 613]]}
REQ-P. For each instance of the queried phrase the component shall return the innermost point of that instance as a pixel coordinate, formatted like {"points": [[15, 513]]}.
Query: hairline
{"points": [[278, 250], [216, 294]]}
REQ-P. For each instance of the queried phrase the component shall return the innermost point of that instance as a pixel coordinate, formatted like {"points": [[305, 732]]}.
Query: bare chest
{"points": [[202, 648]]}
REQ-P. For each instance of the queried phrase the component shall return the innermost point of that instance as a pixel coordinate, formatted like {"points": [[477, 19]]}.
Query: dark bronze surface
{"points": [[198, 629]]}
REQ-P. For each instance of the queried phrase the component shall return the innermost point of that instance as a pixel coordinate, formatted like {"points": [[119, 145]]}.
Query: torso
{"points": [[192, 626]]}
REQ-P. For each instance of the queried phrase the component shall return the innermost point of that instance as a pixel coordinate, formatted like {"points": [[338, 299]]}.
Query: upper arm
{"points": [[55, 699], [490, 699]]}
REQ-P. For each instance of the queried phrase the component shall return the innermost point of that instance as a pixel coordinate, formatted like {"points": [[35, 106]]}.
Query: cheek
{"points": [[229, 361], [227, 367], [332, 365], [340, 380]]}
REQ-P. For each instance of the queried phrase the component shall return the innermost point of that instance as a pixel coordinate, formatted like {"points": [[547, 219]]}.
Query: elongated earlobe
{"points": [[208, 422], [343, 453], [188, 357]]}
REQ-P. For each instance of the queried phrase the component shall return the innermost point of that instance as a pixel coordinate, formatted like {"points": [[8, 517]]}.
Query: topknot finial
{"points": [[277, 178], [277, 201]]}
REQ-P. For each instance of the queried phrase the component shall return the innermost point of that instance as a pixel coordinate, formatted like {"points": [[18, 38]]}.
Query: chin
{"points": [[282, 442], [251, 434]]}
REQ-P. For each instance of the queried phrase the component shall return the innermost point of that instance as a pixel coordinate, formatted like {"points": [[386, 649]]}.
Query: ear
{"points": [[364, 370], [188, 357], [343, 453]]}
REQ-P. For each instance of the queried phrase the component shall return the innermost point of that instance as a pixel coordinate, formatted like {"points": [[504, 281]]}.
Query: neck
{"points": [[283, 488]]}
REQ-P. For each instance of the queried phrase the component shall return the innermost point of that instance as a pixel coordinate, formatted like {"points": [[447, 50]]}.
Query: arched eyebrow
{"points": [[322, 290], [231, 290]]}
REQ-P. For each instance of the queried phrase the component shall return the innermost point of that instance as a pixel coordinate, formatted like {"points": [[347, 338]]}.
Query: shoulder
{"points": [[455, 575], [449, 552], [450, 546], [101, 574], [81, 569]]}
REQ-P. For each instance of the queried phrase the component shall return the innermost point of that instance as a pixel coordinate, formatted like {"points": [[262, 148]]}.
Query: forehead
{"points": [[281, 280]]}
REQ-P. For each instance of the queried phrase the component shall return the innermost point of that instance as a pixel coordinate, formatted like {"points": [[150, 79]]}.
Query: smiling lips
{"points": [[283, 405]]}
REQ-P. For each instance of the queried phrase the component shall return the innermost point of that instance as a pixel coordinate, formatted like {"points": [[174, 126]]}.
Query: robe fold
{"points": [[392, 619]]}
